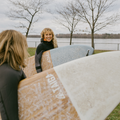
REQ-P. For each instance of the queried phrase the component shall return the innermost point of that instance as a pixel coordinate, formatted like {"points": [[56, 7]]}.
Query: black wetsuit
{"points": [[43, 46], [9, 79]]}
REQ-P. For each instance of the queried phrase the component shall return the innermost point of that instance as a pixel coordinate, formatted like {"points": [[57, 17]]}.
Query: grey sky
{"points": [[47, 20]]}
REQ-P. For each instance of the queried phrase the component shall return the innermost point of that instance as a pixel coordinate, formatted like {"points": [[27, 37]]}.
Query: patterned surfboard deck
{"points": [[54, 57], [43, 97]]}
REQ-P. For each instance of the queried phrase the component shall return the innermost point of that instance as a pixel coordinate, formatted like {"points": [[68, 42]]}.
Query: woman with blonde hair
{"points": [[48, 41], [13, 51]]}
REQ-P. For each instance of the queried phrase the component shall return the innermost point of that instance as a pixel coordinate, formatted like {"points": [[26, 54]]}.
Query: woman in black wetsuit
{"points": [[48, 41], [13, 51]]}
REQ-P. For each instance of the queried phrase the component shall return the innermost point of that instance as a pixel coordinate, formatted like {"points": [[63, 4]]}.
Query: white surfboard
{"points": [[83, 89]]}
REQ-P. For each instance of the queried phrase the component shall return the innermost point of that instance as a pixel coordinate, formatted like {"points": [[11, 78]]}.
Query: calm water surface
{"points": [[100, 44]]}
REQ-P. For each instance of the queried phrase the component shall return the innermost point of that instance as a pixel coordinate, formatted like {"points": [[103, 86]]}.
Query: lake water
{"points": [[100, 44]]}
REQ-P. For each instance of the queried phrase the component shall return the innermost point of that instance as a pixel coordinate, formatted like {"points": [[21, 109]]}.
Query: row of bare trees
{"points": [[91, 12]]}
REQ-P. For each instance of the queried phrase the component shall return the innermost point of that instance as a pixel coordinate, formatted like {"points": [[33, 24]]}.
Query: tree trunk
{"points": [[28, 29], [27, 33], [29, 25], [71, 34], [92, 38]]}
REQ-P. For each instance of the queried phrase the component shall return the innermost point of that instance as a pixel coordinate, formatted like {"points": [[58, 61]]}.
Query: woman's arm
{"points": [[38, 56]]}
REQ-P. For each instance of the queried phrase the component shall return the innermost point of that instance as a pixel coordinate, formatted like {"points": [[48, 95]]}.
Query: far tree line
{"points": [[94, 13], [98, 36], [101, 36]]}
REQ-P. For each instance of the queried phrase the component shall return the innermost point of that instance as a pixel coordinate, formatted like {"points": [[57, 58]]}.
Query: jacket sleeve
{"points": [[38, 56]]}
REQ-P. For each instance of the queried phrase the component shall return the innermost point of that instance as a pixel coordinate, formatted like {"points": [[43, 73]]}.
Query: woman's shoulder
{"points": [[41, 45], [8, 70]]}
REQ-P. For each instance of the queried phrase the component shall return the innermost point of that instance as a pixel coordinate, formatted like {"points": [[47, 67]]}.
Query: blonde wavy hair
{"points": [[53, 39], [13, 49]]}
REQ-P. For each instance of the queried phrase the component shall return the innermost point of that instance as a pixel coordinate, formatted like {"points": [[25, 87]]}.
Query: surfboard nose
{"points": [[93, 84]]}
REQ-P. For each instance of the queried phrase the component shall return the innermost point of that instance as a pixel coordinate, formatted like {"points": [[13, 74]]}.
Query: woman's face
{"points": [[48, 36]]}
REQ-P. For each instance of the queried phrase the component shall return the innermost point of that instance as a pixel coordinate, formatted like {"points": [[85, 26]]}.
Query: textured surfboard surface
{"points": [[83, 89], [69, 53], [30, 70], [54, 57]]}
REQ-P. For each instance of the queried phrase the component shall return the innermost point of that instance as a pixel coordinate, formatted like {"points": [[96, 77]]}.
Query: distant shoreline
{"points": [[98, 36]]}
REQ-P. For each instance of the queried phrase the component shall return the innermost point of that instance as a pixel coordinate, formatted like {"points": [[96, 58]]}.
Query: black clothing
{"points": [[43, 46], [9, 79]]}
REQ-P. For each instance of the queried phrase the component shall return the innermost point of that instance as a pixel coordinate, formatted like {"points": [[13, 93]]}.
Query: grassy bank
{"points": [[115, 115], [32, 51]]}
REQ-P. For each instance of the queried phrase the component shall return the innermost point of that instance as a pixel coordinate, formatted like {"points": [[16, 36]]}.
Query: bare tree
{"points": [[94, 12], [28, 11], [67, 17]]}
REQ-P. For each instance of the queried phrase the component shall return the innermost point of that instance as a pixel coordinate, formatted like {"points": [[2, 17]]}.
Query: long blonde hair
{"points": [[53, 39], [13, 49]]}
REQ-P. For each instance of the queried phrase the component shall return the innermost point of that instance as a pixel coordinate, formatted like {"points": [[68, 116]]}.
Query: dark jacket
{"points": [[43, 46], [9, 79]]}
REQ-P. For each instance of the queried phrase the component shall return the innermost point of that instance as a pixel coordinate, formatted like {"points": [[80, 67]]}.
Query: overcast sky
{"points": [[47, 20]]}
